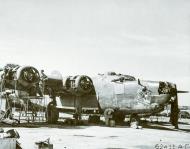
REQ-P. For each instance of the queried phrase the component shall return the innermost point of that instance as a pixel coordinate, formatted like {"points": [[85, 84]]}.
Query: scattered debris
{"points": [[135, 125], [44, 144], [9, 139]]}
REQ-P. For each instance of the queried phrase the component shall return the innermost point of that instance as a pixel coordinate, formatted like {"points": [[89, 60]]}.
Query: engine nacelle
{"points": [[27, 76], [23, 78], [167, 88], [78, 85]]}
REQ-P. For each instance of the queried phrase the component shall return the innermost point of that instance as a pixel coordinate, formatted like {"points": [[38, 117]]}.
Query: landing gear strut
{"points": [[95, 119], [113, 117], [108, 114], [119, 117], [52, 114], [134, 120]]}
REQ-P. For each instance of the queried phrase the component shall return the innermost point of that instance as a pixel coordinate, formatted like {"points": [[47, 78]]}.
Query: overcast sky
{"points": [[145, 38]]}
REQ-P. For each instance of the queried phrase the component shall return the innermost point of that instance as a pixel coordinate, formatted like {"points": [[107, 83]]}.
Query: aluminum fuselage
{"points": [[126, 96]]}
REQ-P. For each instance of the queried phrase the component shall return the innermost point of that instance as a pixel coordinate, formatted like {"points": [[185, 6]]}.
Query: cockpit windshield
{"points": [[123, 78]]}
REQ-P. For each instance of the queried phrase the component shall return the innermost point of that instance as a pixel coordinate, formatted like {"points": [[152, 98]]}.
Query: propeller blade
{"points": [[182, 91], [174, 112]]}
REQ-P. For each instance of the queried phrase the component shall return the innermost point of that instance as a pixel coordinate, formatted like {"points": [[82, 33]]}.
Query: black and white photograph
{"points": [[94, 74]]}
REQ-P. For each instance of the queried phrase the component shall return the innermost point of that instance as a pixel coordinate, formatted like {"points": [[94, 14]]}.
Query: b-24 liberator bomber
{"points": [[113, 95]]}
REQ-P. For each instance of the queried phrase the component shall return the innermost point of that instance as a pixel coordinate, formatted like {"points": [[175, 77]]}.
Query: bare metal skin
{"points": [[115, 94]]}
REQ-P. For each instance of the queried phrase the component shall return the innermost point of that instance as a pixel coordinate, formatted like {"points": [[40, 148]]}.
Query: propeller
{"points": [[174, 111], [182, 91], [174, 106]]}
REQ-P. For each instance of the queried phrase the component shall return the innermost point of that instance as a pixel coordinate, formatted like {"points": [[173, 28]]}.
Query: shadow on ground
{"points": [[84, 124]]}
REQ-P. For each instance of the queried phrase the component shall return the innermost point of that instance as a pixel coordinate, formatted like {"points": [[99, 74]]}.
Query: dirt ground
{"points": [[152, 135]]}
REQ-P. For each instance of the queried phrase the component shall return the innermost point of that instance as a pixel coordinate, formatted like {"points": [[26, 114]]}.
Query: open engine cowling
{"points": [[27, 76], [78, 85], [21, 78]]}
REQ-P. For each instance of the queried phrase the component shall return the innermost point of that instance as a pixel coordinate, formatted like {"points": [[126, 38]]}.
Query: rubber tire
{"points": [[108, 115], [134, 117], [95, 119], [119, 117], [52, 114]]}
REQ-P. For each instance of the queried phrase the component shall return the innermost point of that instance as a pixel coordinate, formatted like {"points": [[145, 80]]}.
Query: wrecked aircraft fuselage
{"points": [[129, 95], [117, 95]]}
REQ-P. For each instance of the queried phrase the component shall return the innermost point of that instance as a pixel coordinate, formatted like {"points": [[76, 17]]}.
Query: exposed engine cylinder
{"points": [[78, 85], [166, 88], [22, 78], [27, 76]]}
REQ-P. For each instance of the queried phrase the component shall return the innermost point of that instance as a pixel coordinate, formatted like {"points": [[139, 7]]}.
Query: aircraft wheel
{"points": [[109, 115], [52, 114], [119, 117], [95, 119], [134, 118]]}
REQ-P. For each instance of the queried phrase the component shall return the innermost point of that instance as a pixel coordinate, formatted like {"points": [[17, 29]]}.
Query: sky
{"points": [[147, 39]]}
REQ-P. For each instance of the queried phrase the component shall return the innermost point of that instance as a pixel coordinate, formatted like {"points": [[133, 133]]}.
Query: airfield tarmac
{"points": [[152, 135]]}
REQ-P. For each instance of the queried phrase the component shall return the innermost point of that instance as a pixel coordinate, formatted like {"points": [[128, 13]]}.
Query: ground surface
{"points": [[152, 135]]}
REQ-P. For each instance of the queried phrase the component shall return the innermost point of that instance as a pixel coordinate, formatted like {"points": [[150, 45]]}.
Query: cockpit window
{"points": [[111, 73], [124, 78], [129, 78]]}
